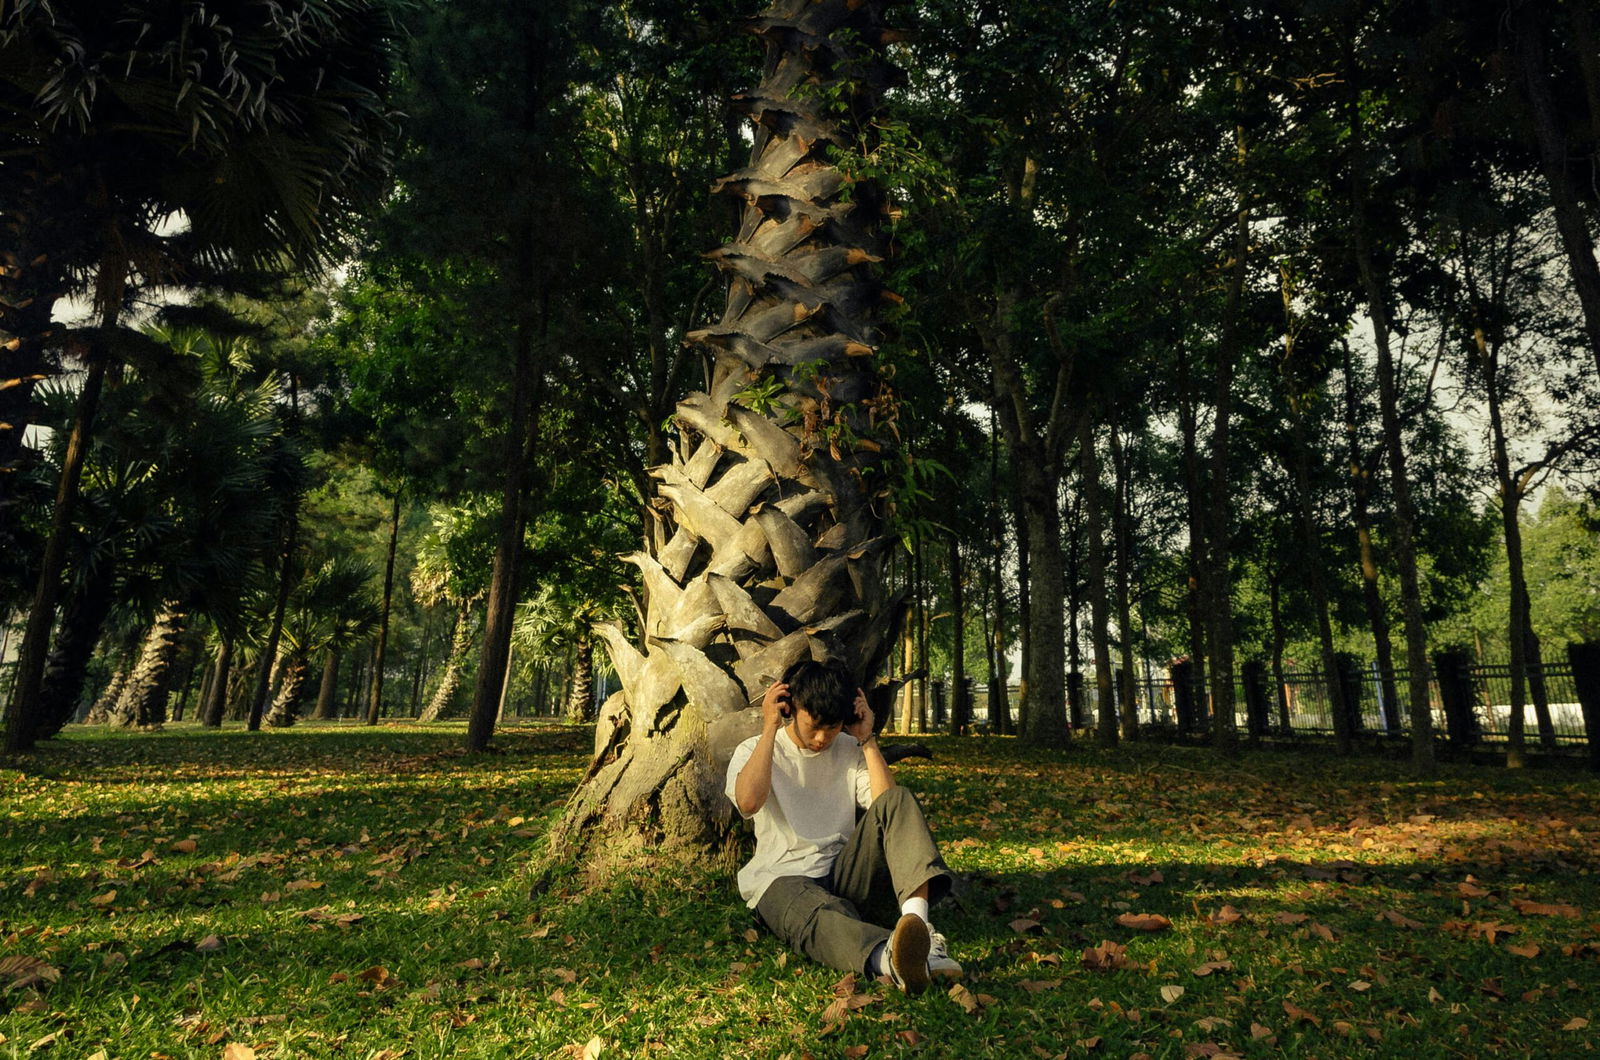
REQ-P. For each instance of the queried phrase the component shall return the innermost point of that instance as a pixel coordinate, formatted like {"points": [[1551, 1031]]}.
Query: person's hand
{"points": [[861, 728], [775, 706]]}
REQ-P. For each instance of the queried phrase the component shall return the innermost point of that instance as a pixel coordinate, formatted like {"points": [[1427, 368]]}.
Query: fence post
{"points": [[1257, 704], [1075, 701], [1348, 668], [1455, 692], [1585, 660], [1183, 695]]}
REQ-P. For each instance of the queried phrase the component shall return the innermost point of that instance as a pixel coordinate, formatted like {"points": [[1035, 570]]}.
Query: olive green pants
{"points": [[836, 919]]}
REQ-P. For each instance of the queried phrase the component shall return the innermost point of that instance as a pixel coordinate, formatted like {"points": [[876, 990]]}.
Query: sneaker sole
{"points": [[908, 953]]}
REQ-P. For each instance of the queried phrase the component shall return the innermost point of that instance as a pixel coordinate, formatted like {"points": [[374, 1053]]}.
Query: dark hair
{"points": [[826, 691]]}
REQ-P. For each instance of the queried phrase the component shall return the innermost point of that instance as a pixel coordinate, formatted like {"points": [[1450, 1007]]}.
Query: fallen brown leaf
{"points": [[1144, 921]]}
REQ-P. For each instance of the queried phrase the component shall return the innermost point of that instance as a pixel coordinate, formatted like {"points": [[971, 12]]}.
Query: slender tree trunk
{"points": [[1077, 585], [1195, 555], [1531, 29], [22, 719], [999, 722], [1122, 533], [82, 619], [383, 626], [1279, 636], [1311, 545], [501, 611], [328, 690], [1416, 634], [960, 709], [217, 699], [462, 637], [1099, 611], [1219, 578], [269, 652], [1371, 595]]}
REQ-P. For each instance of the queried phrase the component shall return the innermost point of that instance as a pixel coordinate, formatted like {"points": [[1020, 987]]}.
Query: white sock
{"points": [[878, 962], [918, 906]]}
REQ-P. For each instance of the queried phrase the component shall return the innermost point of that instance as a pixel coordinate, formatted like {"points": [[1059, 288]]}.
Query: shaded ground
{"points": [[344, 892]]}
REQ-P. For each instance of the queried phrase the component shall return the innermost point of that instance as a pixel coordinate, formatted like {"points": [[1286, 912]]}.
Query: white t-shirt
{"points": [[809, 814]]}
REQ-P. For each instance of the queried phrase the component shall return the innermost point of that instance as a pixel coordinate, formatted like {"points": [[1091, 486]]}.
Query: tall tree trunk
{"points": [[1530, 22], [1416, 633], [269, 652], [779, 557], [82, 620], [1099, 611], [1371, 595], [960, 708], [22, 718], [217, 700], [999, 721], [145, 697], [1279, 636], [1311, 546], [1122, 534], [1219, 576], [383, 625], [1195, 554], [463, 635], [328, 690], [100, 713], [500, 614]]}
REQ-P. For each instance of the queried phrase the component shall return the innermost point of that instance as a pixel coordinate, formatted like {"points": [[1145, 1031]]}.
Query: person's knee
{"points": [[893, 799]]}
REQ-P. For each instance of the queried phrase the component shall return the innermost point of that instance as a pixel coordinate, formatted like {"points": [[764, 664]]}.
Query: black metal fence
{"points": [[1302, 703]]}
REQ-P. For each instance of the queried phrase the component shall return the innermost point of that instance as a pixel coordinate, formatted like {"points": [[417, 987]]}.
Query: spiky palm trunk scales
{"points": [[768, 531]]}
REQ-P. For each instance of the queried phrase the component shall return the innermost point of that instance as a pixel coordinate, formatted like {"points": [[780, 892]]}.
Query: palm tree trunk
{"points": [[217, 698], [463, 636], [22, 719], [269, 652], [82, 619], [291, 692], [580, 701], [328, 690], [771, 542], [145, 698], [383, 626]]}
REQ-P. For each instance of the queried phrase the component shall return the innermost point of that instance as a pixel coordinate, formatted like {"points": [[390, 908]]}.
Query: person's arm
{"points": [[754, 783], [879, 778]]}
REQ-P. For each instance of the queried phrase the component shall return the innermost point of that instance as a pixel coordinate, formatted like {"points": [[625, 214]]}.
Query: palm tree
{"points": [[332, 609], [262, 126], [174, 518], [769, 528]]}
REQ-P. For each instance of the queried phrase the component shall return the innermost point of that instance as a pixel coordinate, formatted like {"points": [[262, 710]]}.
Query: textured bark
{"points": [[82, 619], [1531, 27], [1371, 595], [446, 701], [1377, 295], [1099, 610], [1195, 554], [31, 279], [383, 626], [269, 654], [144, 700], [217, 694], [100, 713], [328, 689], [580, 697], [1122, 534], [767, 537], [292, 689]]}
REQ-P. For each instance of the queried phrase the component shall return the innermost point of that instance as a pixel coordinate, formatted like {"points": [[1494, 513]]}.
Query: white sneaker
{"points": [[939, 960], [908, 954]]}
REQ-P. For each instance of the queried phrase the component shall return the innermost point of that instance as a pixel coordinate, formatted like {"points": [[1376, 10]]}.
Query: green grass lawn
{"points": [[363, 893]]}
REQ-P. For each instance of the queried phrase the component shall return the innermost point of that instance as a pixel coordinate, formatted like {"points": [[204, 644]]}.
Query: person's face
{"points": [[811, 736]]}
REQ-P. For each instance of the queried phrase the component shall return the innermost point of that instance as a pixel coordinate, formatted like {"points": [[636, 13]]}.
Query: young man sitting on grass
{"points": [[821, 880]]}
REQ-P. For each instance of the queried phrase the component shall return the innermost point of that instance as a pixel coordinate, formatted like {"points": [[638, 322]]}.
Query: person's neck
{"points": [[792, 730]]}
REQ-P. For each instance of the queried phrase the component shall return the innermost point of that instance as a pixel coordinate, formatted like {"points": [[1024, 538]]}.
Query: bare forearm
{"points": [[879, 775], [754, 784]]}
